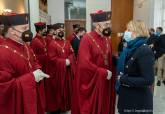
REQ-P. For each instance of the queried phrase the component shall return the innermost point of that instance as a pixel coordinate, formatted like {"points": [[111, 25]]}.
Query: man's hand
{"points": [[39, 75], [67, 62], [151, 46], [109, 75]]}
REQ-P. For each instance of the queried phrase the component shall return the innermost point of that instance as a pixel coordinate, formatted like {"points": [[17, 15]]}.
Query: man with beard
{"points": [[38, 44], [58, 87], [50, 34], [96, 79], [20, 74]]}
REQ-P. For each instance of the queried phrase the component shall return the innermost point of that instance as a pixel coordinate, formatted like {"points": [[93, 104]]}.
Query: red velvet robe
{"points": [[39, 47], [48, 39], [58, 86], [74, 98], [1, 39], [18, 90], [96, 93]]}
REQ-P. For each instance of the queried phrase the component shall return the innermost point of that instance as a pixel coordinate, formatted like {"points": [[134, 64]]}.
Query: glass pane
{"points": [[75, 9], [78, 13]]}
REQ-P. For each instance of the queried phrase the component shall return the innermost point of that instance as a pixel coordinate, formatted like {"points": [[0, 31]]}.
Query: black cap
{"points": [[40, 26], [76, 26], [58, 26], [49, 27], [14, 19], [101, 16]]}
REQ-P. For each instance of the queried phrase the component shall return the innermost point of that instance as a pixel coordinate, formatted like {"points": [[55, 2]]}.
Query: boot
{"points": [[158, 83]]}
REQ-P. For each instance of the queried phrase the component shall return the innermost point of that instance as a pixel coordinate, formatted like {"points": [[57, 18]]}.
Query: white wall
{"points": [[94, 5], [158, 13], [34, 12], [145, 13], [56, 10]]}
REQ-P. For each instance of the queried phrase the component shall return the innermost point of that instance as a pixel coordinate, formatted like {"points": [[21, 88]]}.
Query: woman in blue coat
{"points": [[136, 72]]}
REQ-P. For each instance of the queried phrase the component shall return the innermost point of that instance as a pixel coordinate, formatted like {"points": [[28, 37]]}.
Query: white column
{"points": [[56, 11], [94, 5], [158, 13], [34, 12], [145, 13]]}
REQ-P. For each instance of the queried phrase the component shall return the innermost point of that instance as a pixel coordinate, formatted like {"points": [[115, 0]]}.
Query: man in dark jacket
{"points": [[158, 45], [160, 53], [154, 36], [76, 40]]}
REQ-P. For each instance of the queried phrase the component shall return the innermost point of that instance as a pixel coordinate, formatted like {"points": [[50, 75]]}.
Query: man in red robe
{"points": [[38, 43], [96, 79], [58, 86], [20, 74], [73, 35]]}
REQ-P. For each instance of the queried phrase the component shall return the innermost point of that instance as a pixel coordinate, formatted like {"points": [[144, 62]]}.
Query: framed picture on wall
{"points": [[43, 5], [44, 17]]}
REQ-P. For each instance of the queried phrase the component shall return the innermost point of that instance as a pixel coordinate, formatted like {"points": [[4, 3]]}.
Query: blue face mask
{"points": [[128, 36], [157, 33]]}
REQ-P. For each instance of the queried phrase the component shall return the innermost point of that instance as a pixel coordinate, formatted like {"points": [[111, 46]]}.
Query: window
{"points": [[75, 9]]}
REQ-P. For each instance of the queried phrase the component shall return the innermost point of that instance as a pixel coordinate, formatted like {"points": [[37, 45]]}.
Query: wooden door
{"points": [[122, 13]]}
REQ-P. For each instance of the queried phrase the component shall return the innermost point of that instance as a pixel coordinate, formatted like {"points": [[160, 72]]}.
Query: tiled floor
{"points": [[159, 100]]}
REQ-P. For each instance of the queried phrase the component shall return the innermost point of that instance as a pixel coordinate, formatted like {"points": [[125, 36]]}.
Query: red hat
{"points": [[14, 19], [101, 16], [40, 26]]}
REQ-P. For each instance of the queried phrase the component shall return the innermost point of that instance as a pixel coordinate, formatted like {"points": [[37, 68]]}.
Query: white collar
{"points": [[78, 37]]}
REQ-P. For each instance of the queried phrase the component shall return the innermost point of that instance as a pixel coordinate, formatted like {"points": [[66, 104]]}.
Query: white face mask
{"points": [[128, 36]]}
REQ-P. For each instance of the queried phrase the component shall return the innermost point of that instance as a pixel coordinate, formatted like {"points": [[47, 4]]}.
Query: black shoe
{"points": [[55, 112], [159, 83], [164, 82]]}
